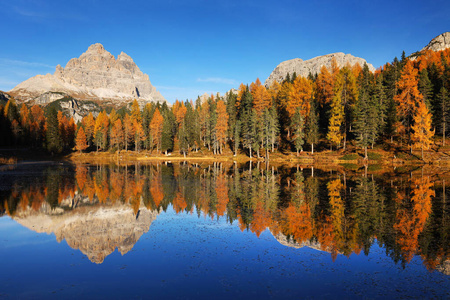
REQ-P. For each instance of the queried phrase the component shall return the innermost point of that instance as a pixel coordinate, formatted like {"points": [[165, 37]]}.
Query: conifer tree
{"points": [[156, 128], [363, 116], [426, 89], [236, 136], [53, 139], [274, 127], [312, 125], [444, 101], [221, 125], [345, 92], [409, 97], [299, 130], [168, 129], [81, 142], [117, 135], [147, 114], [128, 130], [422, 133], [335, 132]]}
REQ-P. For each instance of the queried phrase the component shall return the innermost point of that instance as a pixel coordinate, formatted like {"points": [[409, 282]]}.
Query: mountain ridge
{"points": [[95, 75]]}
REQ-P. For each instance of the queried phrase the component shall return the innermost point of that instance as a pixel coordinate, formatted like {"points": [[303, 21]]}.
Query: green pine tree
{"points": [[298, 125], [53, 139], [312, 125]]}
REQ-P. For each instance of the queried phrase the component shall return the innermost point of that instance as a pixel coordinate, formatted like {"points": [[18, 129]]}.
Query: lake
{"points": [[222, 231]]}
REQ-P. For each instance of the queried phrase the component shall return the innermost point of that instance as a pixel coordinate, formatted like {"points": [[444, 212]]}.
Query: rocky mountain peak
{"points": [[441, 42], [96, 48], [313, 65], [95, 75], [124, 56]]}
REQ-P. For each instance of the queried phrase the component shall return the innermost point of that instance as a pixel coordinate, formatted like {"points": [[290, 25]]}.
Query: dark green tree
{"points": [[298, 126], [53, 139], [312, 125]]}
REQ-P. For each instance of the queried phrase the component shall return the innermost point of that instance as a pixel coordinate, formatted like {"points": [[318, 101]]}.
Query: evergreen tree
{"points": [[312, 125], [147, 115], [168, 129], [236, 136], [183, 137], [232, 119], [363, 116], [426, 88], [444, 101], [298, 123], [274, 127], [53, 139]]}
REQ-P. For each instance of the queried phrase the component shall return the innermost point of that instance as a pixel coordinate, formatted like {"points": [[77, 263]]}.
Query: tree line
{"points": [[406, 101]]}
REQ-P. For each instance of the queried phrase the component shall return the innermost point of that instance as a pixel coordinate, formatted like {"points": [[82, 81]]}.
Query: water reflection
{"points": [[98, 209]]}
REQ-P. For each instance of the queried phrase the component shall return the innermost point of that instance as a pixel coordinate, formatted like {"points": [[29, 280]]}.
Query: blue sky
{"points": [[191, 47]]}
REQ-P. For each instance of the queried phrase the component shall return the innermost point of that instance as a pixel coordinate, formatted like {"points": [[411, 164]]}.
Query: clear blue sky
{"points": [[191, 47]]}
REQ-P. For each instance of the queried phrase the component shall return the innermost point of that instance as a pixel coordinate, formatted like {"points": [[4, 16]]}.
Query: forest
{"points": [[403, 103]]}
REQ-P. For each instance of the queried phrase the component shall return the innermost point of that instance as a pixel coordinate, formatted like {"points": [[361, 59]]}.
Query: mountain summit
{"points": [[95, 75], [313, 65], [441, 42]]}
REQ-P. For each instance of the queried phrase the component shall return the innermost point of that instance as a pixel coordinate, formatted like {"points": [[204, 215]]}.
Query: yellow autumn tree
{"points": [[261, 97], [81, 142], [156, 129], [409, 97], [299, 97], [422, 134]]}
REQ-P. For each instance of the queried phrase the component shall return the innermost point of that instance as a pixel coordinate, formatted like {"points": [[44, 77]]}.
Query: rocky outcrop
{"points": [[283, 240], [95, 231], [313, 65], [444, 267], [441, 42], [4, 97], [95, 75]]}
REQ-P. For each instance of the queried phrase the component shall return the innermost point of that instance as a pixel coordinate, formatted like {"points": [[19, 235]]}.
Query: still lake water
{"points": [[221, 231]]}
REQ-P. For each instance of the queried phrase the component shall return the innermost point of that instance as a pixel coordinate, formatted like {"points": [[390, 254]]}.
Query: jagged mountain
{"points": [[95, 75], [313, 65], [95, 231], [441, 42]]}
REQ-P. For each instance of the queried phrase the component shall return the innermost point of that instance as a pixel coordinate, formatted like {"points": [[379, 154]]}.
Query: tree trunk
{"points": [[312, 148]]}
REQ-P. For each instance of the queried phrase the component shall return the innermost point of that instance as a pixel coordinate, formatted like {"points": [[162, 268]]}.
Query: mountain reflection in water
{"points": [[97, 209]]}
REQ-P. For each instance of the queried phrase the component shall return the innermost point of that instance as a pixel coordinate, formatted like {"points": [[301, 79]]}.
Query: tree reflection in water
{"points": [[338, 212]]}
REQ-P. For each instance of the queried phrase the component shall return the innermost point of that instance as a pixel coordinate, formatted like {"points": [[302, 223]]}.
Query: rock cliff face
{"points": [[95, 75], [95, 231], [313, 65], [4, 97], [283, 240], [441, 42]]}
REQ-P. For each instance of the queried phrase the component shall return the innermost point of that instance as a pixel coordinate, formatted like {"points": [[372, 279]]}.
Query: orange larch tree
{"points": [[409, 97], [156, 129], [261, 97], [422, 136], [81, 142], [117, 136], [128, 130], [299, 97], [89, 125], [324, 86]]}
